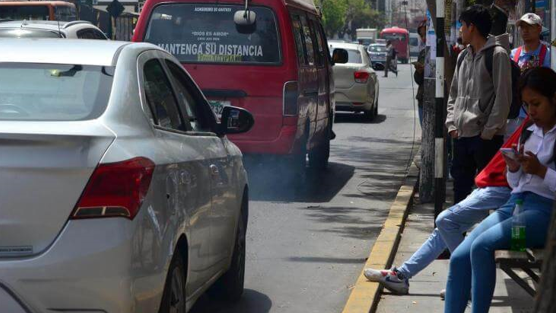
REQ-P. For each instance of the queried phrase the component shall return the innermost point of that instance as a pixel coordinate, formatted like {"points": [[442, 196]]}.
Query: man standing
{"points": [[390, 59], [419, 75], [479, 99], [532, 54]]}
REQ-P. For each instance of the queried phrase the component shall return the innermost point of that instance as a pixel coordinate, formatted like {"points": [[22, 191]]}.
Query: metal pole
{"points": [[553, 33], [439, 182]]}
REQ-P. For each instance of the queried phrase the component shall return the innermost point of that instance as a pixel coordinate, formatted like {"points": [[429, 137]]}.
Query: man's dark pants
{"points": [[471, 155]]}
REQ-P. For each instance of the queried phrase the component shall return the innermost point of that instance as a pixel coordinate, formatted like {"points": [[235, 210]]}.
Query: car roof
{"points": [[67, 51], [342, 45], [46, 25], [378, 44]]}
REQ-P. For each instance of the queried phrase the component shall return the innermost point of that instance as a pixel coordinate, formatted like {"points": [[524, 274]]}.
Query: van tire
{"points": [[229, 287], [175, 281], [319, 156]]}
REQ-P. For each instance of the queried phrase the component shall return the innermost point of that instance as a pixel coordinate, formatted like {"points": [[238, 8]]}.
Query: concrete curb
{"points": [[365, 295]]}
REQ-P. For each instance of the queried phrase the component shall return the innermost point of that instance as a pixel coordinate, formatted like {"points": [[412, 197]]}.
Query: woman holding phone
{"points": [[532, 176]]}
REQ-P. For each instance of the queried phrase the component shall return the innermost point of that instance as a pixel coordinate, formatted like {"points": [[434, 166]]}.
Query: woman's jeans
{"points": [[472, 266], [452, 223]]}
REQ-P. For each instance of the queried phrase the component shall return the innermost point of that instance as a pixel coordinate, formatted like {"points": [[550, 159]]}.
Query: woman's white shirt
{"points": [[543, 146]]}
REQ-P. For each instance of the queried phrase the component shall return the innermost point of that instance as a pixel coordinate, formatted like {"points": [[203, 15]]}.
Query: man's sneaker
{"points": [[392, 279], [443, 294]]}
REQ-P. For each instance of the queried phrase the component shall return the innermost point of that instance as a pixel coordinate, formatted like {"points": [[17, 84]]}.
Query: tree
{"points": [[360, 15], [333, 15]]}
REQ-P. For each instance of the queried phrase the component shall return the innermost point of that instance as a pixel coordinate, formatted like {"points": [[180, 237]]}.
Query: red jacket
{"points": [[494, 174]]}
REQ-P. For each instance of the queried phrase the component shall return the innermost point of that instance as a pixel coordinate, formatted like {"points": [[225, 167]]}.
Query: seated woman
{"points": [[533, 179]]}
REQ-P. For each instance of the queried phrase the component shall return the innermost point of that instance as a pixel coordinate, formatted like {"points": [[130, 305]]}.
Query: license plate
{"points": [[218, 105]]}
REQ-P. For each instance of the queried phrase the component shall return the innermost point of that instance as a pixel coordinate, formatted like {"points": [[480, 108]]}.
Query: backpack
{"points": [[515, 106], [525, 134], [542, 54]]}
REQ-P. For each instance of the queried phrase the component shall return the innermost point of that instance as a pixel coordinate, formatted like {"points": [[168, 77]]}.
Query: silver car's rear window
{"points": [[53, 92], [28, 33]]}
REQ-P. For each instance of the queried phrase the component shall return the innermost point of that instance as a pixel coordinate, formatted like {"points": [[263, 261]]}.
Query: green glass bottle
{"points": [[518, 227]]}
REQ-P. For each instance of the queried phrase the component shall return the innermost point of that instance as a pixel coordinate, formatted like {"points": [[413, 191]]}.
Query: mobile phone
{"points": [[510, 153]]}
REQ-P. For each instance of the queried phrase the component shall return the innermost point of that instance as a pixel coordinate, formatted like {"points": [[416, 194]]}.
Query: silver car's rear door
{"points": [[44, 167], [186, 177], [224, 209]]}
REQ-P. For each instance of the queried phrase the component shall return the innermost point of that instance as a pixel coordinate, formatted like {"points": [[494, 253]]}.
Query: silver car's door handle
{"points": [[214, 170]]}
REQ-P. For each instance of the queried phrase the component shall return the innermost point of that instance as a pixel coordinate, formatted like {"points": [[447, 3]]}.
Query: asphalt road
{"points": [[308, 239]]}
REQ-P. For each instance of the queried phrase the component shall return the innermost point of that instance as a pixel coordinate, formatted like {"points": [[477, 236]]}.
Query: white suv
{"points": [[50, 29]]}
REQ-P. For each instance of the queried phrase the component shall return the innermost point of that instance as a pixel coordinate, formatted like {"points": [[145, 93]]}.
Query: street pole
{"points": [[439, 182], [553, 33]]}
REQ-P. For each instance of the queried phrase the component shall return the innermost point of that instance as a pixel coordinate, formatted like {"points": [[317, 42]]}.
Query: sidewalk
{"points": [[425, 287]]}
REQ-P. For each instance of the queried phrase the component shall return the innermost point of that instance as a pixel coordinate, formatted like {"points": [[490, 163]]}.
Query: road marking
{"points": [[365, 295]]}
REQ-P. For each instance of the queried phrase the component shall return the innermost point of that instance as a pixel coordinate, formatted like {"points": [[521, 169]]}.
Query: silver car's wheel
{"points": [[230, 286], [173, 298]]}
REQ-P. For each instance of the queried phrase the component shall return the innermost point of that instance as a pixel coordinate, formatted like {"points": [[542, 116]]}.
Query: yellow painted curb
{"points": [[365, 295]]}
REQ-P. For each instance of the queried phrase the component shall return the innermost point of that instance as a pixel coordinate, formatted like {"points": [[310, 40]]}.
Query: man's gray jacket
{"points": [[479, 104]]}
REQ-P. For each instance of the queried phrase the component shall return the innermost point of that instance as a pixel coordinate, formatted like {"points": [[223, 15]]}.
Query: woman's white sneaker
{"points": [[392, 279]]}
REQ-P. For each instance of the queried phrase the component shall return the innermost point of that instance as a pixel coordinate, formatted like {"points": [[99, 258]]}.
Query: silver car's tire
{"points": [[173, 297], [230, 286]]}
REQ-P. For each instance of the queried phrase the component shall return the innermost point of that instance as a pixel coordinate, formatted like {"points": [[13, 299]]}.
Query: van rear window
{"points": [[202, 33], [24, 12]]}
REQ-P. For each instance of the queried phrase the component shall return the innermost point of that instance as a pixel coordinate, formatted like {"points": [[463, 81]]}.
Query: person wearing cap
{"points": [[532, 54]]}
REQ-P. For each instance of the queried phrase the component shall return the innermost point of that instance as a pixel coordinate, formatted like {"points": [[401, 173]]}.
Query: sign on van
{"points": [[207, 33]]}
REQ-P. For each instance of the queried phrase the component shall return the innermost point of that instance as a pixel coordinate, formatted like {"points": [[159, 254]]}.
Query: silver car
{"points": [[120, 191], [378, 53], [356, 83], [50, 29]]}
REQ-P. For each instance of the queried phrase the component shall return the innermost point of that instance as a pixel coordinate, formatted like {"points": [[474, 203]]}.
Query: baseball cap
{"points": [[530, 18]]}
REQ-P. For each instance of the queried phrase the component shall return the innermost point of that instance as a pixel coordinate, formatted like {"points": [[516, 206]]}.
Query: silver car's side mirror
{"points": [[340, 56], [235, 120]]}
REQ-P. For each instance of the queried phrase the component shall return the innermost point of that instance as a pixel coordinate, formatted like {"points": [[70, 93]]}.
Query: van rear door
{"points": [[234, 65]]}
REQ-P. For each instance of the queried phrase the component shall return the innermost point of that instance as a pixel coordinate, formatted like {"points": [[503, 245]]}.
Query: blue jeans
{"points": [[472, 266], [452, 223]]}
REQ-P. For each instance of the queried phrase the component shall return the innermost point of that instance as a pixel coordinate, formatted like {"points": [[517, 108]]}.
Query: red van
{"points": [[400, 41], [268, 56]]}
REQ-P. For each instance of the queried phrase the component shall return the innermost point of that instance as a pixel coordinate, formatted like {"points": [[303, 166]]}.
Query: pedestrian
{"points": [[533, 53], [419, 74], [532, 176], [391, 59], [479, 99], [492, 192]]}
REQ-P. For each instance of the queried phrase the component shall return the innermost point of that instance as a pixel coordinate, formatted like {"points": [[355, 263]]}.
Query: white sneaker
{"points": [[443, 294], [392, 279]]}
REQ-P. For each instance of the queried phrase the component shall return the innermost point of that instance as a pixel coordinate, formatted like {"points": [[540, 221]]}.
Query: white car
{"points": [[356, 83], [120, 191], [50, 29]]}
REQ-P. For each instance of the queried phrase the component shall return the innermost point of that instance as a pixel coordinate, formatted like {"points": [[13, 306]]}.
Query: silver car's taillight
{"points": [[115, 190]]}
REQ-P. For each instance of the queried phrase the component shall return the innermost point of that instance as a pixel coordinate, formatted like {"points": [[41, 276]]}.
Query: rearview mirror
{"points": [[235, 120], [245, 17], [340, 56]]}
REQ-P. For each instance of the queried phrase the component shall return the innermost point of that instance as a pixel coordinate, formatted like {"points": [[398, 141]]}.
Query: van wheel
{"points": [[230, 286], [173, 297], [318, 157], [298, 161]]}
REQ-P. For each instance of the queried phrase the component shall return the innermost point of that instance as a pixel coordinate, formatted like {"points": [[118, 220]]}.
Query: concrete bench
{"points": [[526, 261]]}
